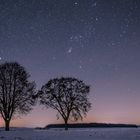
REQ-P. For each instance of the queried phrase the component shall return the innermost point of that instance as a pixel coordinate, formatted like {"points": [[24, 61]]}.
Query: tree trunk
{"points": [[7, 124], [66, 124]]}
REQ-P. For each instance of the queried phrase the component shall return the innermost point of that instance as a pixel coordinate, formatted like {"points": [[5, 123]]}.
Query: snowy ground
{"points": [[72, 134]]}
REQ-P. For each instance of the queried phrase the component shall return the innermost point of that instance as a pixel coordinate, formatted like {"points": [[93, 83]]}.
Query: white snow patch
{"points": [[72, 134]]}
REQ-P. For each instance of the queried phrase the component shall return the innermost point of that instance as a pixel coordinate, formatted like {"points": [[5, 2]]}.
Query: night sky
{"points": [[97, 41]]}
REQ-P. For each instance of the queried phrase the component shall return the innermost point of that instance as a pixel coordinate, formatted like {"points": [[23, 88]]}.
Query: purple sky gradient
{"points": [[94, 40]]}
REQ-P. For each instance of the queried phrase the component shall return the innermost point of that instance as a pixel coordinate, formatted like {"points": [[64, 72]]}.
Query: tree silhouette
{"points": [[15, 91], [68, 96]]}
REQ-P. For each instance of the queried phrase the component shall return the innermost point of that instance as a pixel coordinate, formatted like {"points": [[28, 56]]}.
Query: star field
{"points": [[94, 40]]}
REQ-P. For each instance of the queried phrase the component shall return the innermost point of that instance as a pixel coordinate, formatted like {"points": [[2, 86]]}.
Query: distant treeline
{"points": [[89, 125]]}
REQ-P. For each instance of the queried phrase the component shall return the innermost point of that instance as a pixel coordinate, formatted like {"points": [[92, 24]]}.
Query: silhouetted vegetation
{"points": [[90, 125], [15, 92], [68, 96]]}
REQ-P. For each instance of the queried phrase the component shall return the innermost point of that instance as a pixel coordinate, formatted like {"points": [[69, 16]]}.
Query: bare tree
{"points": [[68, 96], [15, 92]]}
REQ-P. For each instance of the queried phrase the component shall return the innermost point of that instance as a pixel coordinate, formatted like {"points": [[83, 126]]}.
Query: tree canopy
{"points": [[68, 96], [15, 91]]}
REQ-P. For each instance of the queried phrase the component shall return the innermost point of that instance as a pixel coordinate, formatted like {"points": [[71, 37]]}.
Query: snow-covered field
{"points": [[72, 134]]}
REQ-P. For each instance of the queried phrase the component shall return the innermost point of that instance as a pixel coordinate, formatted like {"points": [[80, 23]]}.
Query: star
{"points": [[76, 3], [80, 67], [96, 18], [69, 50], [94, 4]]}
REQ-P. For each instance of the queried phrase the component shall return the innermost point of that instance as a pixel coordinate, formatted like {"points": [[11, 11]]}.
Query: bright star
{"points": [[70, 50]]}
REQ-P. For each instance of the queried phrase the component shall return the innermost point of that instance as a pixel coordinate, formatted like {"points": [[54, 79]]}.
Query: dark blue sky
{"points": [[95, 40]]}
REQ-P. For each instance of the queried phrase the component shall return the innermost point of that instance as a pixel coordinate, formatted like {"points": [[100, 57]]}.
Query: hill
{"points": [[90, 125]]}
